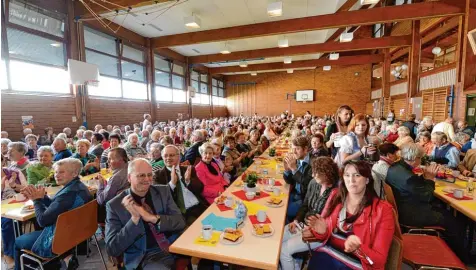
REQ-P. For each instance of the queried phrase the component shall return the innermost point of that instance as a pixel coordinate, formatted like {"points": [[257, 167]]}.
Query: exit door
{"points": [[471, 110]]}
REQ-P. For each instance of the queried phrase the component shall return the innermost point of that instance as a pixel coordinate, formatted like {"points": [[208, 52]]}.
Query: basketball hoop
{"points": [[94, 83], [304, 99]]}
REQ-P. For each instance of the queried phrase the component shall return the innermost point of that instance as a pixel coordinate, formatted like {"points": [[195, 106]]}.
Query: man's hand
{"points": [[173, 176], [101, 179], [430, 171], [466, 173], [188, 174], [292, 162], [129, 204], [146, 216]]}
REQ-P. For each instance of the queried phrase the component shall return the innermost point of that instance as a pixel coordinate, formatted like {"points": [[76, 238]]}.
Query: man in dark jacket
{"points": [[415, 201], [411, 125], [184, 185], [298, 173], [192, 154]]}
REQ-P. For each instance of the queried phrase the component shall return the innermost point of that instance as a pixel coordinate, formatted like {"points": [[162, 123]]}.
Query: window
{"points": [[122, 66], [36, 56], [200, 83], [169, 81], [218, 92]]}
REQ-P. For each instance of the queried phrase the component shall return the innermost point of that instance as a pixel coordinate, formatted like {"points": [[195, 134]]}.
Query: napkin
{"points": [[254, 220], [220, 223], [465, 198], [242, 195], [253, 208], [223, 207], [209, 243]]}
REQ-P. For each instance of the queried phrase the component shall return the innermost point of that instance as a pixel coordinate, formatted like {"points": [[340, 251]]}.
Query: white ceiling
{"points": [[266, 71], [267, 60], [214, 14]]}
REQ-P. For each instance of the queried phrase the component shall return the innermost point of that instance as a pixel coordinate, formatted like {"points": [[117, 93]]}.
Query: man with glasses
{"points": [[140, 219], [184, 184]]}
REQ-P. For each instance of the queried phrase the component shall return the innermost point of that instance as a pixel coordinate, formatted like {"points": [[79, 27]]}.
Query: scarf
{"points": [[211, 169]]}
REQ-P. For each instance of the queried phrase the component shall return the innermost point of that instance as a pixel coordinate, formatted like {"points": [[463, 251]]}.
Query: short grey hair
{"points": [[411, 151], [45, 148], [131, 168], [60, 139], [73, 165], [5, 141], [19, 146], [31, 136], [198, 134], [132, 135], [168, 146], [404, 130], [204, 147], [62, 135]]}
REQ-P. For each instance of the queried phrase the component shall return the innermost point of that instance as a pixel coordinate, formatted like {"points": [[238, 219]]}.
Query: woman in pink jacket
{"points": [[209, 173]]}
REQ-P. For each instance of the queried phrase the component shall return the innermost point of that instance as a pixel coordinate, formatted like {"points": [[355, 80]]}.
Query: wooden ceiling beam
{"points": [[342, 61], [328, 21], [121, 6], [330, 46]]}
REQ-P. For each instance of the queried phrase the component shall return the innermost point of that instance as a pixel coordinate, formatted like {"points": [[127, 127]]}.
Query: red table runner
{"points": [[242, 195]]}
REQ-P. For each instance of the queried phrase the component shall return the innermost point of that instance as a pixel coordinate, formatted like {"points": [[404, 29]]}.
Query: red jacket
{"points": [[375, 233], [212, 184]]}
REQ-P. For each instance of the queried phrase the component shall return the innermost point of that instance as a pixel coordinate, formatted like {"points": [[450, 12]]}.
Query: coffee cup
{"points": [[458, 193], [207, 231], [276, 191], [261, 216], [250, 195], [271, 181], [19, 197], [229, 202]]}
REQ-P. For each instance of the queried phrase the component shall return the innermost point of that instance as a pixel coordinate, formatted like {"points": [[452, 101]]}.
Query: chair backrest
{"points": [[395, 254], [74, 227], [389, 196], [398, 230]]}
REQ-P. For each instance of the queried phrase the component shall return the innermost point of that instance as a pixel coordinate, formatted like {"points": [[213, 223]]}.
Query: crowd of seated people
{"points": [[166, 174]]}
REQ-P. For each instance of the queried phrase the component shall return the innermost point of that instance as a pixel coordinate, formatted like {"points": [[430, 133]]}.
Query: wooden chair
{"points": [[72, 228], [395, 254]]}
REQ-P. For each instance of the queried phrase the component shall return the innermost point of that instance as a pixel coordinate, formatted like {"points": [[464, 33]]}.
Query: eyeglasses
{"points": [[170, 156], [143, 175]]}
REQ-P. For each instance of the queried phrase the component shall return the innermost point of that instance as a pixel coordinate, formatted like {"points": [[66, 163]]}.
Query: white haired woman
{"points": [[41, 172], [89, 161], [146, 122], [32, 141], [269, 133], [16, 154], [4, 142], [209, 173], [403, 136], [133, 148]]}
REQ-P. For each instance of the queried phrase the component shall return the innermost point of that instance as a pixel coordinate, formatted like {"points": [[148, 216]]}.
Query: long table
{"points": [[254, 252], [466, 207]]}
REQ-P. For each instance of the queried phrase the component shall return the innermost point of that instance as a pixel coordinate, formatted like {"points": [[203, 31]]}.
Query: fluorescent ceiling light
{"points": [[275, 9], [254, 73], [192, 22], [290, 71], [368, 2], [347, 37], [55, 44], [225, 51], [326, 68], [243, 64], [288, 60], [283, 43], [333, 56]]}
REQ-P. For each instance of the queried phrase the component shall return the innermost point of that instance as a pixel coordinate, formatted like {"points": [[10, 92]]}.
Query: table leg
{"points": [[16, 228]]}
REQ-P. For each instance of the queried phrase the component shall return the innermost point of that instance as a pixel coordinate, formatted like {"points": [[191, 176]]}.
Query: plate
{"points": [[449, 190], [253, 232], [228, 242], [216, 200], [269, 188], [27, 209], [272, 205]]}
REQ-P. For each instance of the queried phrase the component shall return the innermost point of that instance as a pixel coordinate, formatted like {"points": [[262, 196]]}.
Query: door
{"points": [[470, 110]]}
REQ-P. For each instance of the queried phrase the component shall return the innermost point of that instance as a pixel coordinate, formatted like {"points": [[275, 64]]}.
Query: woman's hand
{"points": [[317, 223], [466, 173], [352, 243]]}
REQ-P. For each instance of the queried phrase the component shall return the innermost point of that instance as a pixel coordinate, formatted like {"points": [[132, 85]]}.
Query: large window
{"points": [[200, 83], [121, 66], [218, 92], [36, 58], [169, 81]]}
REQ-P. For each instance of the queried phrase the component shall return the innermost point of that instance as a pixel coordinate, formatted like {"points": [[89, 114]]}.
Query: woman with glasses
{"points": [[209, 173]]}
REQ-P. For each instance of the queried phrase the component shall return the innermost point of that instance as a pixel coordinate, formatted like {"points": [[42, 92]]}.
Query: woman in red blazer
{"points": [[209, 173], [359, 227]]}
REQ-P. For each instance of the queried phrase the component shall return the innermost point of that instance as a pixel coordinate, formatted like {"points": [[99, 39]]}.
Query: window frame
{"points": [[218, 87], [170, 73], [199, 81]]}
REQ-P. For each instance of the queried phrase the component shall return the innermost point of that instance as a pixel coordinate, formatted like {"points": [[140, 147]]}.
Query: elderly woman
{"points": [[48, 138], [166, 140], [173, 134], [79, 135], [154, 138], [254, 143], [426, 124], [403, 136], [269, 133], [96, 144], [146, 122], [230, 149], [88, 134], [217, 154], [318, 197], [32, 141], [4, 142], [218, 135], [89, 161], [461, 139], [133, 148], [209, 173], [114, 142], [155, 156], [424, 140], [444, 152], [73, 194], [392, 133], [355, 145], [41, 172], [16, 154]]}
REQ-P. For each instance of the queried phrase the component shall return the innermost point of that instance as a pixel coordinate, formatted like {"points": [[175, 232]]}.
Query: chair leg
{"points": [[99, 249], [22, 264]]}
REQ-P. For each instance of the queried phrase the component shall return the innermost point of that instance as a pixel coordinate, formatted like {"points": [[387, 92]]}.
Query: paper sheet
{"points": [[209, 243], [220, 223]]}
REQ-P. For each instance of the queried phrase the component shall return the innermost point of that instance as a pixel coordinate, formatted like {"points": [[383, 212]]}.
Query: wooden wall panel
{"points": [[369, 108], [47, 111], [116, 112], [342, 85], [169, 111], [220, 111], [199, 111], [435, 103]]}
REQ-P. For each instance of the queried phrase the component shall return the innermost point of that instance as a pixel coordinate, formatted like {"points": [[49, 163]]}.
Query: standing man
{"points": [[139, 218], [411, 125], [184, 184]]}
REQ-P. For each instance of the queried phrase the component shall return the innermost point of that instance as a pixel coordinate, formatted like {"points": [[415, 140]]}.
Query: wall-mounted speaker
{"points": [[472, 39]]}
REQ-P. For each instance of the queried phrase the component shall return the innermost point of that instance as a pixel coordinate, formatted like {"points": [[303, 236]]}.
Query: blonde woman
{"points": [[89, 161], [403, 136]]}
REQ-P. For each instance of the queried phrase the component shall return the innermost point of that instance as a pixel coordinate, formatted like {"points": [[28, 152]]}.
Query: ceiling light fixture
{"points": [[290, 71], [225, 49], [55, 44], [347, 37], [436, 50], [192, 21], [326, 68], [243, 64], [334, 56], [283, 43], [254, 73], [368, 2], [275, 9], [288, 60]]}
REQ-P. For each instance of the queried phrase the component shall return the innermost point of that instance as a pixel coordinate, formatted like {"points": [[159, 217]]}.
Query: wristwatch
{"points": [[158, 219]]}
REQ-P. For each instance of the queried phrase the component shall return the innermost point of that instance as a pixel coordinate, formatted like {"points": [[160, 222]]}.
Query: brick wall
{"points": [[333, 88]]}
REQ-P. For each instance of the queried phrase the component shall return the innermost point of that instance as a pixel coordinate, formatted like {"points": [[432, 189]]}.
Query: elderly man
{"points": [[4, 134], [414, 197], [133, 148], [88, 134], [444, 152], [462, 126], [97, 128], [67, 131], [192, 154], [184, 184], [72, 195], [59, 146], [145, 138], [138, 218], [109, 128], [447, 128]]}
